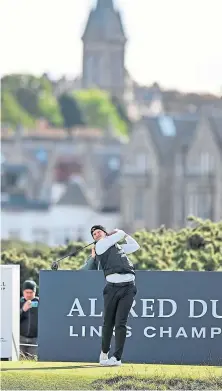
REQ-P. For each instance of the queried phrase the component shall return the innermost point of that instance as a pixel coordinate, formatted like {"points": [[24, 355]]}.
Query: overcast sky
{"points": [[177, 43]]}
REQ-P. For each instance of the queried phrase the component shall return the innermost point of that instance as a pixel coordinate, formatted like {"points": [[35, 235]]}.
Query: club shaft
{"points": [[66, 256], [73, 253]]}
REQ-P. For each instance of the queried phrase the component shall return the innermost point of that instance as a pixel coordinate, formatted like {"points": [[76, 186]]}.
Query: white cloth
{"points": [[130, 247]]}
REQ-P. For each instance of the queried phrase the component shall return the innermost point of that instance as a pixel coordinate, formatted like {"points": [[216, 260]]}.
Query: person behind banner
{"points": [[120, 290], [29, 303]]}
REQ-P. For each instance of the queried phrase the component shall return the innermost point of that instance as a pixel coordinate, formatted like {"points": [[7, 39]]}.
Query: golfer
{"points": [[120, 288]]}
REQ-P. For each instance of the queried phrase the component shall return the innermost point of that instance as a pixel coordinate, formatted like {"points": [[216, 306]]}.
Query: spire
{"points": [[105, 4], [104, 24]]}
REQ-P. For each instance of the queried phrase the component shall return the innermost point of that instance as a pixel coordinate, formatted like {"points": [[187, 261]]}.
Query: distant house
{"points": [[171, 169], [56, 195], [70, 218]]}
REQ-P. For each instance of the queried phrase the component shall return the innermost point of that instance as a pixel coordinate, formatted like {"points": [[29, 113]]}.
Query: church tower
{"points": [[104, 43]]}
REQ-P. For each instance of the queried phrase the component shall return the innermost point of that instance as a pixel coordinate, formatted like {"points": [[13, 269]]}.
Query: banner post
{"points": [[10, 312]]}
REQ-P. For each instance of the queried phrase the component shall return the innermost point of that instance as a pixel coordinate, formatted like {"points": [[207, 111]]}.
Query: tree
{"points": [[12, 113], [121, 110], [70, 111], [99, 111], [27, 98], [49, 108]]}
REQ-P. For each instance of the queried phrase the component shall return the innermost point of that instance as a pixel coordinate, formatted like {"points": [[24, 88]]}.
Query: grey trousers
{"points": [[28, 350]]}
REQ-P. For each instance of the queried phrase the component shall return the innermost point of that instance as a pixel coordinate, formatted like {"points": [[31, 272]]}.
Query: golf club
{"points": [[55, 264]]}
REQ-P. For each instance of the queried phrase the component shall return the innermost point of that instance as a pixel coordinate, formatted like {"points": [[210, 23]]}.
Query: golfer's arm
{"points": [[104, 244], [89, 265], [131, 245]]}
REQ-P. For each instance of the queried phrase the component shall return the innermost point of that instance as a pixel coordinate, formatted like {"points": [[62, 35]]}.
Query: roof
{"points": [[182, 128], [104, 23], [53, 134], [178, 131], [14, 168], [74, 195], [21, 202]]}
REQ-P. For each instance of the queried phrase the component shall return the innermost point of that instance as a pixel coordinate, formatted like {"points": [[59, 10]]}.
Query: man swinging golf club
{"points": [[120, 288]]}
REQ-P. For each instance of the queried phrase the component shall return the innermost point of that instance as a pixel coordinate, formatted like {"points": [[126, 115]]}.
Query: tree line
{"points": [[25, 99], [198, 248]]}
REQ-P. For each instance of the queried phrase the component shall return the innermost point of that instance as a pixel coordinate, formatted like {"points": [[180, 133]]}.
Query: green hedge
{"points": [[198, 248]]}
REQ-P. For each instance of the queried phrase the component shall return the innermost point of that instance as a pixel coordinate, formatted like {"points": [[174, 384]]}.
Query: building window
{"points": [[178, 210], [167, 126], [64, 235], [97, 69], [192, 204], [59, 237], [114, 163], [127, 210], [90, 70], [142, 162], [14, 234], [93, 68], [40, 235], [116, 68], [200, 205], [203, 164], [139, 164], [205, 206], [139, 204], [206, 163]]}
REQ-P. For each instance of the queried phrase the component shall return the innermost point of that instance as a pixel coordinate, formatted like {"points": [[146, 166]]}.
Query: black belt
{"points": [[121, 283]]}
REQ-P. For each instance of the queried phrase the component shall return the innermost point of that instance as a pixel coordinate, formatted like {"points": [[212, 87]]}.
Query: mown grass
{"points": [[29, 375]]}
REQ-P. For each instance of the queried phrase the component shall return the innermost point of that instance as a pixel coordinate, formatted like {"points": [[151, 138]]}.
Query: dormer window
{"points": [[202, 164], [139, 164]]}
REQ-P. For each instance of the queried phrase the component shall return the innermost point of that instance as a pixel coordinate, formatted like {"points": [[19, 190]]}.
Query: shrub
{"points": [[198, 248]]}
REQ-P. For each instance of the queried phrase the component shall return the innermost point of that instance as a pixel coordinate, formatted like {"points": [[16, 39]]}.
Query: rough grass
{"points": [[29, 375]]}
